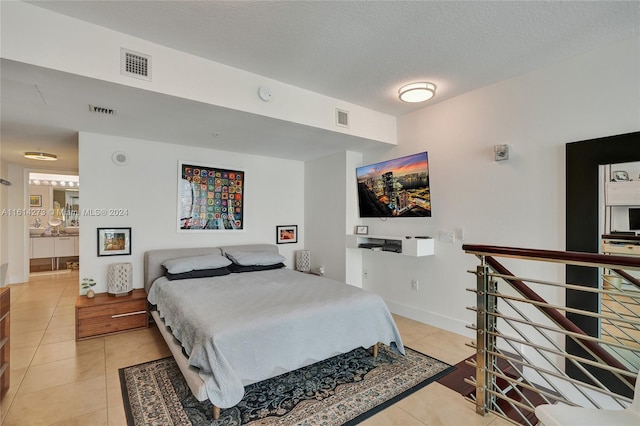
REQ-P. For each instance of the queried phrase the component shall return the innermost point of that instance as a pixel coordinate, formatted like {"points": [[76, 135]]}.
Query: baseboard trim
{"points": [[441, 321]]}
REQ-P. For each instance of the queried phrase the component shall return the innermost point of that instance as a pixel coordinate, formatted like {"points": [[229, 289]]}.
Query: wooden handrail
{"points": [[569, 257], [630, 278], [555, 315]]}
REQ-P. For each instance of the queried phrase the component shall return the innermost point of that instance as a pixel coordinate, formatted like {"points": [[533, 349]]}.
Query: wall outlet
{"points": [[447, 236], [414, 285], [365, 274]]}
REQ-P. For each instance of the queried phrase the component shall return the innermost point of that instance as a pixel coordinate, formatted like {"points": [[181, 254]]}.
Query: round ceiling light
{"points": [[417, 92], [42, 156]]}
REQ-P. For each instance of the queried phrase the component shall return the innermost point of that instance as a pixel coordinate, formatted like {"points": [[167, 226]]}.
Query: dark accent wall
{"points": [[583, 160]]}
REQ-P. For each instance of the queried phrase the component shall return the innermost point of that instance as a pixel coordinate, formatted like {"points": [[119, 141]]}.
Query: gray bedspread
{"points": [[243, 328]]}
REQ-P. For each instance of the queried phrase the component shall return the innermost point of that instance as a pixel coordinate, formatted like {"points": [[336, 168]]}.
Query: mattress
{"points": [[246, 327]]}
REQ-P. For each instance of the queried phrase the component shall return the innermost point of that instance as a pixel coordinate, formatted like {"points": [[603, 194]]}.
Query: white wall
{"points": [[46, 192], [17, 225], [147, 188], [519, 202], [37, 36], [330, 208]]}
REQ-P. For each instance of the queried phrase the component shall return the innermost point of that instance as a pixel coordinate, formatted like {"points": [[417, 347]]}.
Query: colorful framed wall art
{"points": [[210, 198]]}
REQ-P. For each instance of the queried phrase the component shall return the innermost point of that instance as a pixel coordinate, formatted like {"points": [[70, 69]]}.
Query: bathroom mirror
{"points": [[68, 200], [58, 196]]}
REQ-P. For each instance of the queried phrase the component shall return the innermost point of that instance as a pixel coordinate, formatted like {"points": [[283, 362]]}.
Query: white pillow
{"points": [[188, 264], [249, 258]]}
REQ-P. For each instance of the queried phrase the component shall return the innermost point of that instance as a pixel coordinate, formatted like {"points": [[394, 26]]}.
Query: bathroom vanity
{"points": [[54, 247]]}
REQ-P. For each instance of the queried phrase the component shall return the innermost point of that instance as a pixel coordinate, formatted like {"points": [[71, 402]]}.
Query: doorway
{"points": [[583, 161], [54, 223]]}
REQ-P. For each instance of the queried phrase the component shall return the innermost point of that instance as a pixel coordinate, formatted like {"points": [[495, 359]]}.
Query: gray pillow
{"points": [[248, 258], [186, 264]]}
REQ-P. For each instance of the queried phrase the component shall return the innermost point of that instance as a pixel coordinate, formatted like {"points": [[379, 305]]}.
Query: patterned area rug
{"points": [[345, 389]]}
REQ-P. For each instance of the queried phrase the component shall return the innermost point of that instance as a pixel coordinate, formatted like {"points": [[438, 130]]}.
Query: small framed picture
{"points": [[35, 200], [287, 234], [114, 241], [362, 230]]}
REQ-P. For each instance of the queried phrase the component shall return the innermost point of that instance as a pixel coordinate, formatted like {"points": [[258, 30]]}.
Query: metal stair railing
{"points": [[521, 360]]}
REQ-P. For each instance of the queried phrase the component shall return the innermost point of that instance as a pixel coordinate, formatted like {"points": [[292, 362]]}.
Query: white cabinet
{"points": [[64, 246], [42, 247], [54, 247], [623, 193], [416, 247]]}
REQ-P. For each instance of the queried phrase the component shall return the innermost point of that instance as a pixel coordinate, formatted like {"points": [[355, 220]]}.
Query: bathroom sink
{"points": [[72, 230], [36, 231]]}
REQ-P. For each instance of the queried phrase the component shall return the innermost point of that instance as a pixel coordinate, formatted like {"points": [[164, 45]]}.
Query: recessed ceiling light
{"points": [[417, 92], [42, 156]]}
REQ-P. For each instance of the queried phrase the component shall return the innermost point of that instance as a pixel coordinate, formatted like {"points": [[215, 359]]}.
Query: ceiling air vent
{"points": [[102, 110], [342, 118], [134, 64]]}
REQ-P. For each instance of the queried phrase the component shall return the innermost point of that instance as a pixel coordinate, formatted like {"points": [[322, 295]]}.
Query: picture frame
{"points": [[35, 200], [210, 198], [114, 241], [286, 234], [361, 230]]}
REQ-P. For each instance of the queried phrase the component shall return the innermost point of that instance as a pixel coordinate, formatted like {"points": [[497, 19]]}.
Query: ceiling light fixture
{"points": [[42, 156], [417, 92], [49, 179]]}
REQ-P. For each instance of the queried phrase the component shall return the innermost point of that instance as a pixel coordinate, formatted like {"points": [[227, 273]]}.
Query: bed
{"points": [[228, 331]]}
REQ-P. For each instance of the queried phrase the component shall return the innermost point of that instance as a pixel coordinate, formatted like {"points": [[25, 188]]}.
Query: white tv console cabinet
{"points": [[416, 247]]}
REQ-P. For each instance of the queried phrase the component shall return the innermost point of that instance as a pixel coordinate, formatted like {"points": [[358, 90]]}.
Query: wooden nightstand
{"points": [[104, 314]]}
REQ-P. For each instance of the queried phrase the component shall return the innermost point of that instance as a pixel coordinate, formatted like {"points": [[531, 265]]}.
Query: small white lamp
{"points": [[119, 279], [303, 260]]}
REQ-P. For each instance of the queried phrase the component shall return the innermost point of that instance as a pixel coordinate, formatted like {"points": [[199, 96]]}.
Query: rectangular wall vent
{"points": [[102, 110], [342, 118], [134, 64]]}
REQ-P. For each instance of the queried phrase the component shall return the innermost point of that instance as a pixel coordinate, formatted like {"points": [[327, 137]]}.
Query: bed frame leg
{"points": [[375, 350], [216, 412]]}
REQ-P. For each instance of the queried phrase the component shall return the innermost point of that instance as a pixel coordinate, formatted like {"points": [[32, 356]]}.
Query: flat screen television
{"points": [[395, 188]]}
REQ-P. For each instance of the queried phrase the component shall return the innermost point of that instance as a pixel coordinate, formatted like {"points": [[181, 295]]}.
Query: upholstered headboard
{"points": [[250, 247], [153, 258]]}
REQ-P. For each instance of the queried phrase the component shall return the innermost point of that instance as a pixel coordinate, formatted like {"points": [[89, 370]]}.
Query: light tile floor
{"points": [[58, 381]]}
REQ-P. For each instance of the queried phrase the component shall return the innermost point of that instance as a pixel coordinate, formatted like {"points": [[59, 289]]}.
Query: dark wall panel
{"points": [[583, 160]]}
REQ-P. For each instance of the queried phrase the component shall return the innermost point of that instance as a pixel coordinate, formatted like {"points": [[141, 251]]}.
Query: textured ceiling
{"points": [[360, 52], [363, 51]]}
